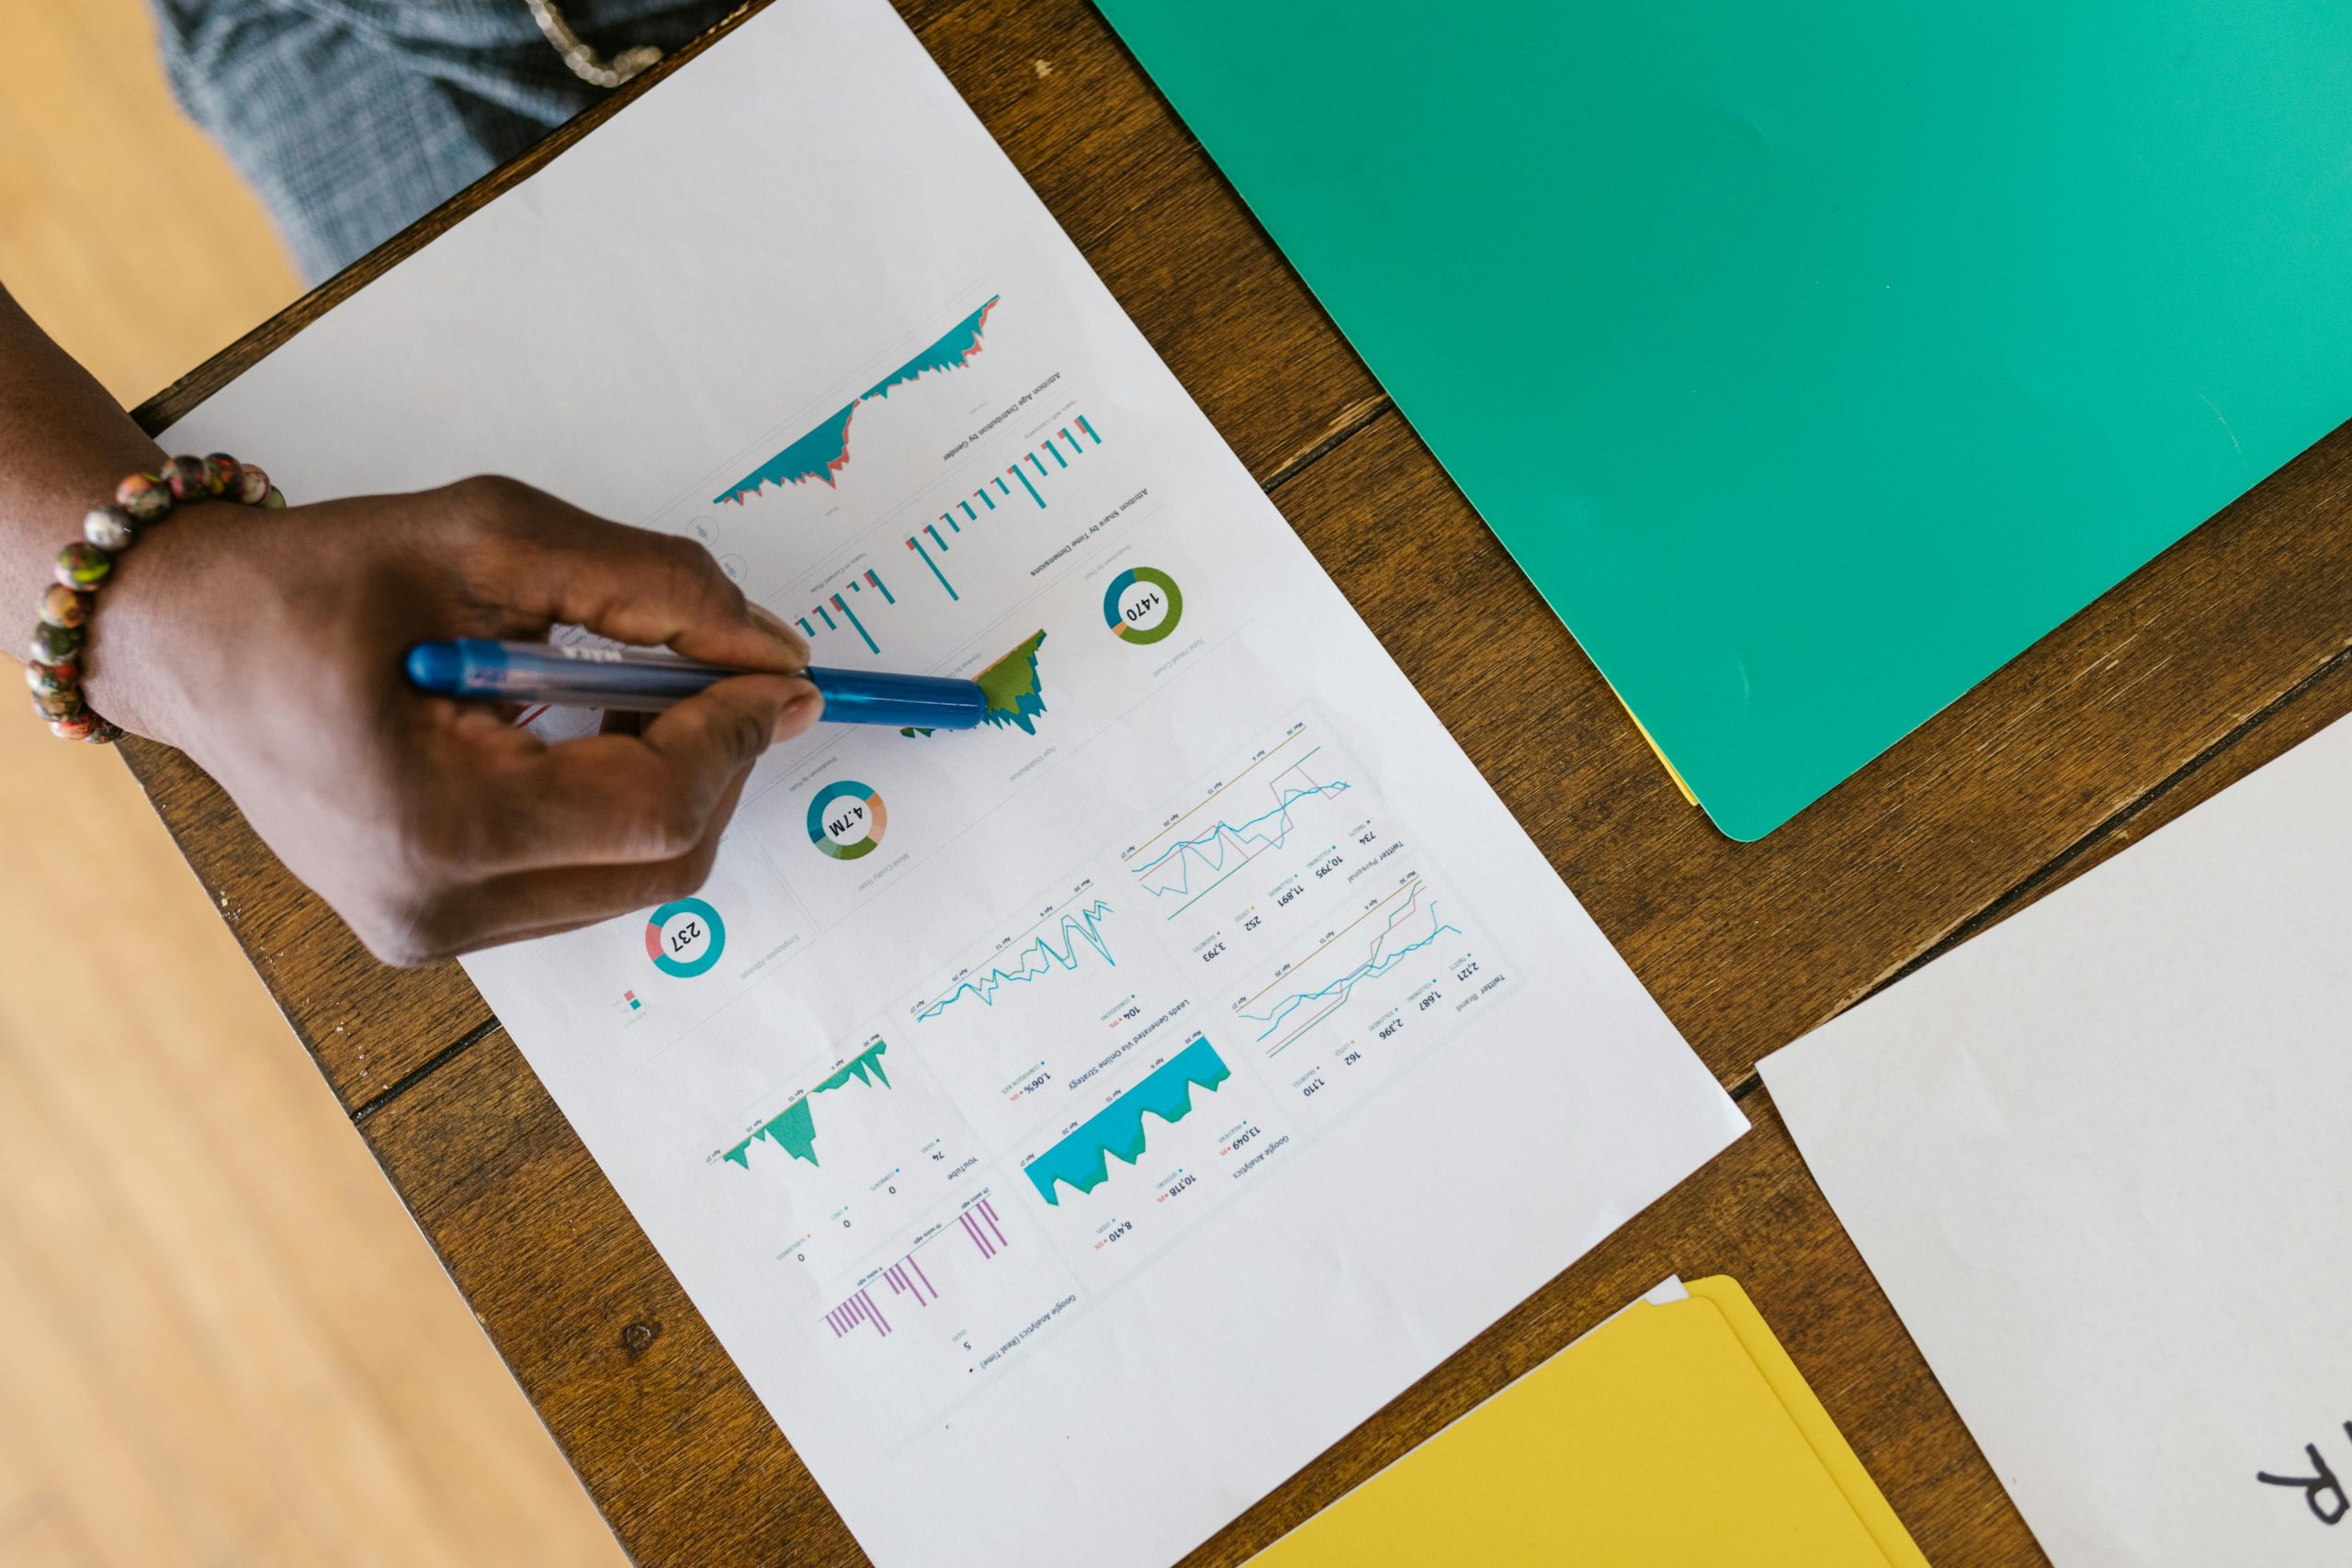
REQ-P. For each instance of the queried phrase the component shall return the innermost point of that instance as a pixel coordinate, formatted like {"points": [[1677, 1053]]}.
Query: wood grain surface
{"points": [[2205, 664]]}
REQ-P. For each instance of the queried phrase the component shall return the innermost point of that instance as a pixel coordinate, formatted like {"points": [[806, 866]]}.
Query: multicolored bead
{"points": [[58, 704], [53, 644], [83, 564], [61, 606], [54, 674], [191, 479], [274, 500], [147, 497], [108, 528], [48, 680]]}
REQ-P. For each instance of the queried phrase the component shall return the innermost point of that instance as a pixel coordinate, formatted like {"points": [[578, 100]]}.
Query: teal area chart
{"points": [[795, 1128], [1082, 1159], [824, 451]]}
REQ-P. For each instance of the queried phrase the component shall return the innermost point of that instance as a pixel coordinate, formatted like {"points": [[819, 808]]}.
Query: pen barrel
{"points": [[908, 702], [634, 681]]}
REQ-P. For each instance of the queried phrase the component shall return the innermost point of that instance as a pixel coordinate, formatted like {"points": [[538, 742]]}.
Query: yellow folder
{"points": [[1677, 1433]]}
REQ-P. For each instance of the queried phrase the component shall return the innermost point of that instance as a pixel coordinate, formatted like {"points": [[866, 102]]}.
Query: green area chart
{"points": [[794, 1127]]}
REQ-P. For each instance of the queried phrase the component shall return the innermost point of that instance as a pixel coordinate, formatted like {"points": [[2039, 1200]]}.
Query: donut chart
{"points": [[685, 938], [1142, 605], [846, 819]]}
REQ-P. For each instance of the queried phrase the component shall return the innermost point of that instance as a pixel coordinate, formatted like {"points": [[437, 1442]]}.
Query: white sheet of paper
{"points": [[2100, 1158], [1073, 1126]]}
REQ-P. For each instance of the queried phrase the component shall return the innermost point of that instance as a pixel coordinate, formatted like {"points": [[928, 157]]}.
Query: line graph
{"points": [[1224, 847], [1069, 934], [1381, 957]]}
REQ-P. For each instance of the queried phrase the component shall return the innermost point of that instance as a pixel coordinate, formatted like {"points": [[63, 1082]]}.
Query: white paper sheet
{"points": [[1233, 894], [2100, 1158]]}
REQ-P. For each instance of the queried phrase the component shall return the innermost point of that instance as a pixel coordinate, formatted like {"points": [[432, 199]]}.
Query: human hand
{"points": [[268, 645]]}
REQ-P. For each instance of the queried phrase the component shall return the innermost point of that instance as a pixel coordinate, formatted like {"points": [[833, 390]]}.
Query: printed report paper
{"points": [[2098, 1157], [1073, 1126]]}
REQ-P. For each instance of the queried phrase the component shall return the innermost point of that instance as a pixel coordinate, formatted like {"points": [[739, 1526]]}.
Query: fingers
{"points": [[550, 563], [525, 905], [620, 798]]}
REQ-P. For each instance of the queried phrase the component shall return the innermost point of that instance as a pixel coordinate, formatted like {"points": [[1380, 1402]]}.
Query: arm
{"points": [[267, 645]]}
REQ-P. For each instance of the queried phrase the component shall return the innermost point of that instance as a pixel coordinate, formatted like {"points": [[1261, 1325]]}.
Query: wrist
{"points": [[138, 667], [95, 675]]}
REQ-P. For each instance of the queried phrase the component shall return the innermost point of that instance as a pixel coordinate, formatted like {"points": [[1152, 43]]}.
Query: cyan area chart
{"points": [[933, 542], [823, 452], [1398, 934], [1069, 934], [1082, 1159], [793, 1129]]}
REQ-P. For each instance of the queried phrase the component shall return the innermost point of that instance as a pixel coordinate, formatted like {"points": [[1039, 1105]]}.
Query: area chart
{"points": [[823, 452], [1082, 1159], [795, 1128]]}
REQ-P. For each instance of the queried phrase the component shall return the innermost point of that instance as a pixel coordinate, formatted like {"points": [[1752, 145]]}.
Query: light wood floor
{"points": [[222, 1342]]}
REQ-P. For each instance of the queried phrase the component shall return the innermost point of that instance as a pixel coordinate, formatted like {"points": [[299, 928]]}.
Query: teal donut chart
{"points": [[849, 804], [697, 909]]}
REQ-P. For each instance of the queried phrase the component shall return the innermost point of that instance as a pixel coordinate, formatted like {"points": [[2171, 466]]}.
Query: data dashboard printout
{"points": [[1070, 1126]]}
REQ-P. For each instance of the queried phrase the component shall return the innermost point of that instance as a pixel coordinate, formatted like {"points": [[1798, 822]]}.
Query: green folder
{"points": [[1813, 360]]}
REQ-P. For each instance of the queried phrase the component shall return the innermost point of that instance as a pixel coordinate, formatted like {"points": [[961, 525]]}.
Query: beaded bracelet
{"points": [[140, 502]]}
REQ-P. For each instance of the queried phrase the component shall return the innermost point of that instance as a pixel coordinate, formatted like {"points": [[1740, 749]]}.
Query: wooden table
{"points": [[2217, 656]]}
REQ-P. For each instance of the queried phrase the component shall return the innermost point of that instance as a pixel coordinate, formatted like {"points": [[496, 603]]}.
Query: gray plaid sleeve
{"points": [[352, 118]]}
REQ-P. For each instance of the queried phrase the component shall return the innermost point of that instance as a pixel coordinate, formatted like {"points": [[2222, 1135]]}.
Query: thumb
{"points": [[550, 562]]}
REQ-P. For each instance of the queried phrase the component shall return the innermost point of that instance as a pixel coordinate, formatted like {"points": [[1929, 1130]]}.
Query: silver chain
{"points": [[586, 63]]}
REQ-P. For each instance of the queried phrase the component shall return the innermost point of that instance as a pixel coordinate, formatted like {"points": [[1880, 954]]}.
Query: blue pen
{"points": [[637, 681]]}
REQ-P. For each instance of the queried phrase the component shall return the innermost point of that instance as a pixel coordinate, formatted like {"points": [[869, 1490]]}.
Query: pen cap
{"points": [[436, 667]]}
